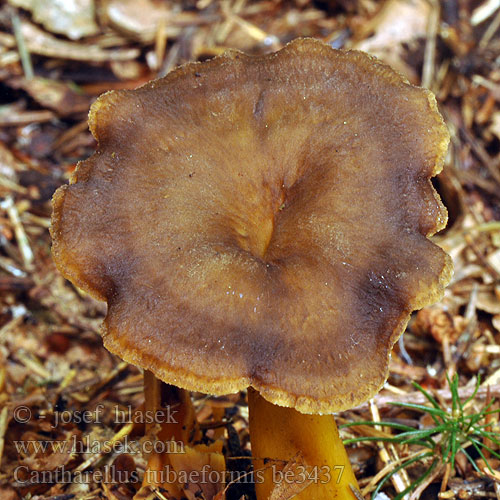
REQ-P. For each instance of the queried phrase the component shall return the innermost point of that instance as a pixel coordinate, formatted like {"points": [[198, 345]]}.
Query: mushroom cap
{"points": [[261, 221]]}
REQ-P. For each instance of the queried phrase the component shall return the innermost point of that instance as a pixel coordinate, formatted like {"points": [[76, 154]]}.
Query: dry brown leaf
{"points": [[193, 462], [399, 21], [53, 94], [58, 453], [489, 302], [8, 493], [294, 483], [140, 18], [40, 42], [74, 18], [438, 322]]}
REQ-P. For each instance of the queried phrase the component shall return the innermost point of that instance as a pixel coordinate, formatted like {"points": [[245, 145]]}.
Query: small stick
{"points": [[370, 486], [482, 154], [446, 477], [160, 42], [430, 46], [491, 419], [108, 448], [421, 487], [9, 265], [22, 239], [3, 429], [22, 48], [33, 364], [399, 479], [481, 13], [171, 59], [490, 31]]}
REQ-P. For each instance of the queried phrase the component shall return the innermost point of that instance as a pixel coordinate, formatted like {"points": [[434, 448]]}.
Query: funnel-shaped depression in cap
{"points": [[261, 221]]}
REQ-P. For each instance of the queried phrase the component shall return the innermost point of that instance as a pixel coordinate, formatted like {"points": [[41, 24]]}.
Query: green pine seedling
{"points": [[454, 431]]}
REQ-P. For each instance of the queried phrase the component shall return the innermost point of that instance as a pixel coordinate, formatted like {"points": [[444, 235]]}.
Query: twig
{"points": [[171, 59], [482, 154], [446, 477], [22, 239], [487, 84], [33, 365], [421, 487], [490, 31], [15, 119], [9, 184], [486, 227], [484, 11], [472, 245], [387, 469], [22, 48], [228, 11], [389, 456], [108, 448], [160, 42], [430, 46], [3, 429], [9, 265]]}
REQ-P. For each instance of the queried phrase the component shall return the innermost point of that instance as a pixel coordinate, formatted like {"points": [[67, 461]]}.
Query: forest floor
{"points": [[55, 62]]}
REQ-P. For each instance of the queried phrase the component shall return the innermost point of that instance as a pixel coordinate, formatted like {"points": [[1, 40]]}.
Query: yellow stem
{"points": [[297, 454]]}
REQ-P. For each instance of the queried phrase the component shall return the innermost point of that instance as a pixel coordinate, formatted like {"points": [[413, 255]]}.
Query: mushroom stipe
{"points": [[261, 222]]}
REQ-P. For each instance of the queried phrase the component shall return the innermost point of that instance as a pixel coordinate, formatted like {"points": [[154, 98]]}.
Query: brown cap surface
{"points": [[261, 221]]}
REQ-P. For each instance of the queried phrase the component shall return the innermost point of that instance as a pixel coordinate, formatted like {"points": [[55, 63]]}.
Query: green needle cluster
{"points": [[454, 430]]}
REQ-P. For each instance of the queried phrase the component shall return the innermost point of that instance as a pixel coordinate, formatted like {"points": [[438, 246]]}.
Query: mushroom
{"points": [[262, 222]]}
